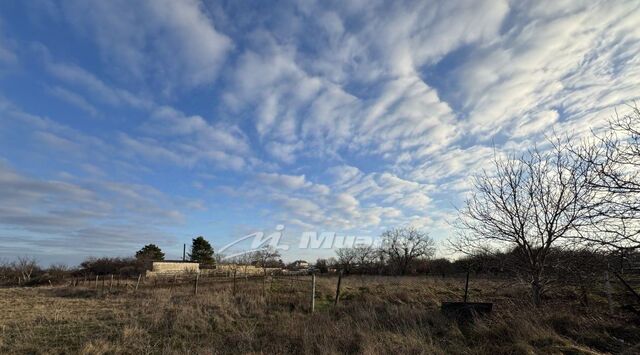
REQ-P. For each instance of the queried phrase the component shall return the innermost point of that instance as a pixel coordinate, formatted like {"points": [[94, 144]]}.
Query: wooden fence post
{"points": [[335, 303], [138, 283], [234, 282], [195, 288], [466, 287], [97, 276], [313, 292], [111, 283]]}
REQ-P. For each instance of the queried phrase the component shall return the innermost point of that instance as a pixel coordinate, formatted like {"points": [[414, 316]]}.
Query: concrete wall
{"points": [[165, 268], [244, 269]]}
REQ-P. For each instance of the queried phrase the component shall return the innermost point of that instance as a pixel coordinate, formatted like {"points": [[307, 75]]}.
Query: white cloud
{"points": [[81, 78], [174, 41], [578, 61], [310, 103], [343, 174], [292, 182], [94, 216], [74, 99], [7, 55]]}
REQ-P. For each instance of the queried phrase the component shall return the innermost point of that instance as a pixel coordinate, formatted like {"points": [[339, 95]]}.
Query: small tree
{"points": [[266, 258], [322, 265], [201, 251], [346, 259], [403, 246], [106, 266], [364, 257], [25, 267], [150, 252]]}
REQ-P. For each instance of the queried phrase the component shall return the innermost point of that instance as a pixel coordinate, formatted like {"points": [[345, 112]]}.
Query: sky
{"points": [[124, 123]]}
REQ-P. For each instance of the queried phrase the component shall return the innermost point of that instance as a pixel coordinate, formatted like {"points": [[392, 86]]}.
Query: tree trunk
{"points": [[536, 290]]}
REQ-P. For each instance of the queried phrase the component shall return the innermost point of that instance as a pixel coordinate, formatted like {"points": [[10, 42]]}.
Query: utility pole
{"points": [[184, 252]]}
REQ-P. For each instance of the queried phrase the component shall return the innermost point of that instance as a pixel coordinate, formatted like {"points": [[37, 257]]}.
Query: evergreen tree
{"points": [[201, 251], [150, 252]]}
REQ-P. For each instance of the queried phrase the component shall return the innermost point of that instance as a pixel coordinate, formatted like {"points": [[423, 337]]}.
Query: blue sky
{"points": [[124, 123]]}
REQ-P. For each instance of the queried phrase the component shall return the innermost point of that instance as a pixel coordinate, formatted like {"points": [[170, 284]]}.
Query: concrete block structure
{"points": [[172, 267]]}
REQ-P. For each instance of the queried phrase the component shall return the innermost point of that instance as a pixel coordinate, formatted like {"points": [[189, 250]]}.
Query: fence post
{"points": [[607, 287], [138, 283], [234, 282], [466, 288], [335, 303], [97, 276], [313, 292], [111, 283], [195, 288]]}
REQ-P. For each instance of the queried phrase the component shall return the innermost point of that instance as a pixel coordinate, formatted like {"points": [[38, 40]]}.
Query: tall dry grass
{"points": [[376, 315]]}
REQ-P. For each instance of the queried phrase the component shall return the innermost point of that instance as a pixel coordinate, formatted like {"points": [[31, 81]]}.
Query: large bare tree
{"points": [[403, 246], [530, 203], [614, 157]]}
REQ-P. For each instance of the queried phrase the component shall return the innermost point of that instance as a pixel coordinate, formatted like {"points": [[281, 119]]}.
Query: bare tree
{"points": [[531, 204], [364, 256], [25, 267], [322, 265], [346, 259], [266, 258], [614, 158], [403, 246]]}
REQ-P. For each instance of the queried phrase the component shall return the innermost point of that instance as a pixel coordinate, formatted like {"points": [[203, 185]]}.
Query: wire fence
{"points": [[306, 292]]}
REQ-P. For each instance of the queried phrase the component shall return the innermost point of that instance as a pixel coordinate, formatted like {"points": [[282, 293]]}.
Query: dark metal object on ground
{"points": [[464, 311]]}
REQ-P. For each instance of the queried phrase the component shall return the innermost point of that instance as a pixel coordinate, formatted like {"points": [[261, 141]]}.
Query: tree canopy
{"points": [[201, 251], [150, 252]]}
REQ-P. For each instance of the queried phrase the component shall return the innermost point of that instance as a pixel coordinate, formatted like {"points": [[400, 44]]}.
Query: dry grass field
{"points": [[376, 315]]}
